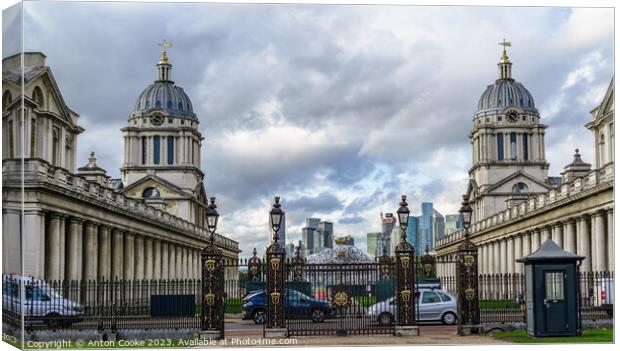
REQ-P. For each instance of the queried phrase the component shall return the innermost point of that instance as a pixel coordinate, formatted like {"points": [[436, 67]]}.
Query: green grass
{"points": [[365, 300], [231, 305], [587, 336], [498, 304]]}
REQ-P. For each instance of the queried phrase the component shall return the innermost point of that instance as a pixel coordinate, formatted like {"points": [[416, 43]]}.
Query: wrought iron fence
{"points": [[502, 296], [101, 304]]}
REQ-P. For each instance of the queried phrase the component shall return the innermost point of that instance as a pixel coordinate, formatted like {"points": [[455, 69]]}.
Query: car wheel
{"points": [[385, 318], [259, 317], [53, 320], [318, 316], [448, 318]]}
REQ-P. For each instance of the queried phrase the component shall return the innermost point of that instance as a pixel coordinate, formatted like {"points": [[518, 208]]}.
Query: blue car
{"points": [[296, 305]]}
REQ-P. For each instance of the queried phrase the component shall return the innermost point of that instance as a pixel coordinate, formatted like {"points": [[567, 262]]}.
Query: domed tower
{"points": [[508, 148], [162, 148]]}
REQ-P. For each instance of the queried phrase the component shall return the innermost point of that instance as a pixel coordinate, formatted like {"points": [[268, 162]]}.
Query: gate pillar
{"points": [[212, 301], [467, 288], [275, 294], [406, 323]]}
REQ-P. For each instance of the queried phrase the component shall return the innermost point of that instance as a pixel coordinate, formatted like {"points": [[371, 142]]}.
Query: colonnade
{"points": [[82, 249], [590, 235]]}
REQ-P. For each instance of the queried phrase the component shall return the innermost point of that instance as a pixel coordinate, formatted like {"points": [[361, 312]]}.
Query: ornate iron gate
{"points": [[340, 299]]}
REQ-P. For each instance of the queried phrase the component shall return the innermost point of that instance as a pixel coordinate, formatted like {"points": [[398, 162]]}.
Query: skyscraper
{"points": [[452, 224], [317, 235], [387, 224], [373, 241]]}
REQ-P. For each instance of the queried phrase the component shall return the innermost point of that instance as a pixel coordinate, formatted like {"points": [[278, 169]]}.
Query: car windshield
{"points": [[297, 295]]}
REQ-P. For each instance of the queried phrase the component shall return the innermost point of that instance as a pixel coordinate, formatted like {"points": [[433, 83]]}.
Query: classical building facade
{"points": [[63, 223], [576, 210]]}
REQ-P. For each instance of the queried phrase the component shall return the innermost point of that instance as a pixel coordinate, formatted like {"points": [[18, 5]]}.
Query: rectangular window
{"points": [[525, 146], [554, 285], [11, 139], [144, 150], [513, 146], [33, 138], [170, 149], [156, 149], [500, 147]]}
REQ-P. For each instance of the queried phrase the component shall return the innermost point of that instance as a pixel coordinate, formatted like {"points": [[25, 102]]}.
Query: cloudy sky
{"points": [[338, 109]]}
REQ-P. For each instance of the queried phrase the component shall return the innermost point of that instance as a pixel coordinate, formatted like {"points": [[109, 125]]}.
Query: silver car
{"points": [[42, 302], [434, 306]]}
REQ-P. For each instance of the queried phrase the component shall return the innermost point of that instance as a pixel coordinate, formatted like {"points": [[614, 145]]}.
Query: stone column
{"points": [[165, 265], [178, 265], [75, 249], [481, 258], [527, 246], [502, 256], [117, 255], [536, 236], [172, 261], [105, 252], [510, 255], [545, 235], [52, 262], [90, 251], [583, 243], [496, 258], [148, 258], [556, 233], [600, 263], [569, 236], [33, 239], [156, 259], [518, 252], [139, 257], [128, 257], [610, 239]]}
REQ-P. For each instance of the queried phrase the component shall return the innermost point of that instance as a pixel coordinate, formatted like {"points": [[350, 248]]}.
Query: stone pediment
{"points": [[165, 188], [507, 185]]}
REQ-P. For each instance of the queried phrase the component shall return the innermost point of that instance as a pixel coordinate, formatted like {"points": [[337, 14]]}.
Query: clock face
{"points": [[157, 119], [512, 116]]}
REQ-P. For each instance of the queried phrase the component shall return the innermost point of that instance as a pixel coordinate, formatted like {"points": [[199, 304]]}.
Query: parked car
{"points": [[41, 304], [296, 305], [434, 306]]}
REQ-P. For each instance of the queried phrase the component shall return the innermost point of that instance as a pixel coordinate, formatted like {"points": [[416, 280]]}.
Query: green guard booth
{"points": [[552, 291]]}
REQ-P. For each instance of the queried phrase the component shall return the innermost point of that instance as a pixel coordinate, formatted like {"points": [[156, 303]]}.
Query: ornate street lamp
{"points": [[212, 217], [403, 216], [465, 212], [212, 314], [276, 215]]}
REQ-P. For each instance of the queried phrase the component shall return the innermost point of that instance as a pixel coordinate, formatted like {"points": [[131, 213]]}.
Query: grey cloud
{"points": [[351, 220], [322, 203]]}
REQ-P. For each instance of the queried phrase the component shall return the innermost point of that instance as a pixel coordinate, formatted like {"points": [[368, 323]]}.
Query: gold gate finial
{"points": [[164, 46], [505, 44]]}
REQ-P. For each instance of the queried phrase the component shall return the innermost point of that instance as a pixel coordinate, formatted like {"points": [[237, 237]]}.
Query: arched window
{"points": [[67, 151], [180, 106], [157, 103], [500, 147], [513, 146], [520, 187], [150, 193], [10, 150], [156, 149], [601, 148], [144, 150], [525, 147], [170, 149], [37, 96], [55, 146], [6, 100], [169, 104], [33, 138]]}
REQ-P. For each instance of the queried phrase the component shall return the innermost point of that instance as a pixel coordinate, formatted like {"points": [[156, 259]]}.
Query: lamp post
{"points": [[405, 276], [212, 314], [467, 277], [276, 255]]}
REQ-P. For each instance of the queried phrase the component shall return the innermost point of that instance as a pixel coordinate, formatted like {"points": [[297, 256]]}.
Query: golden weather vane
{"points": [[505, 44], [164, 46]]}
